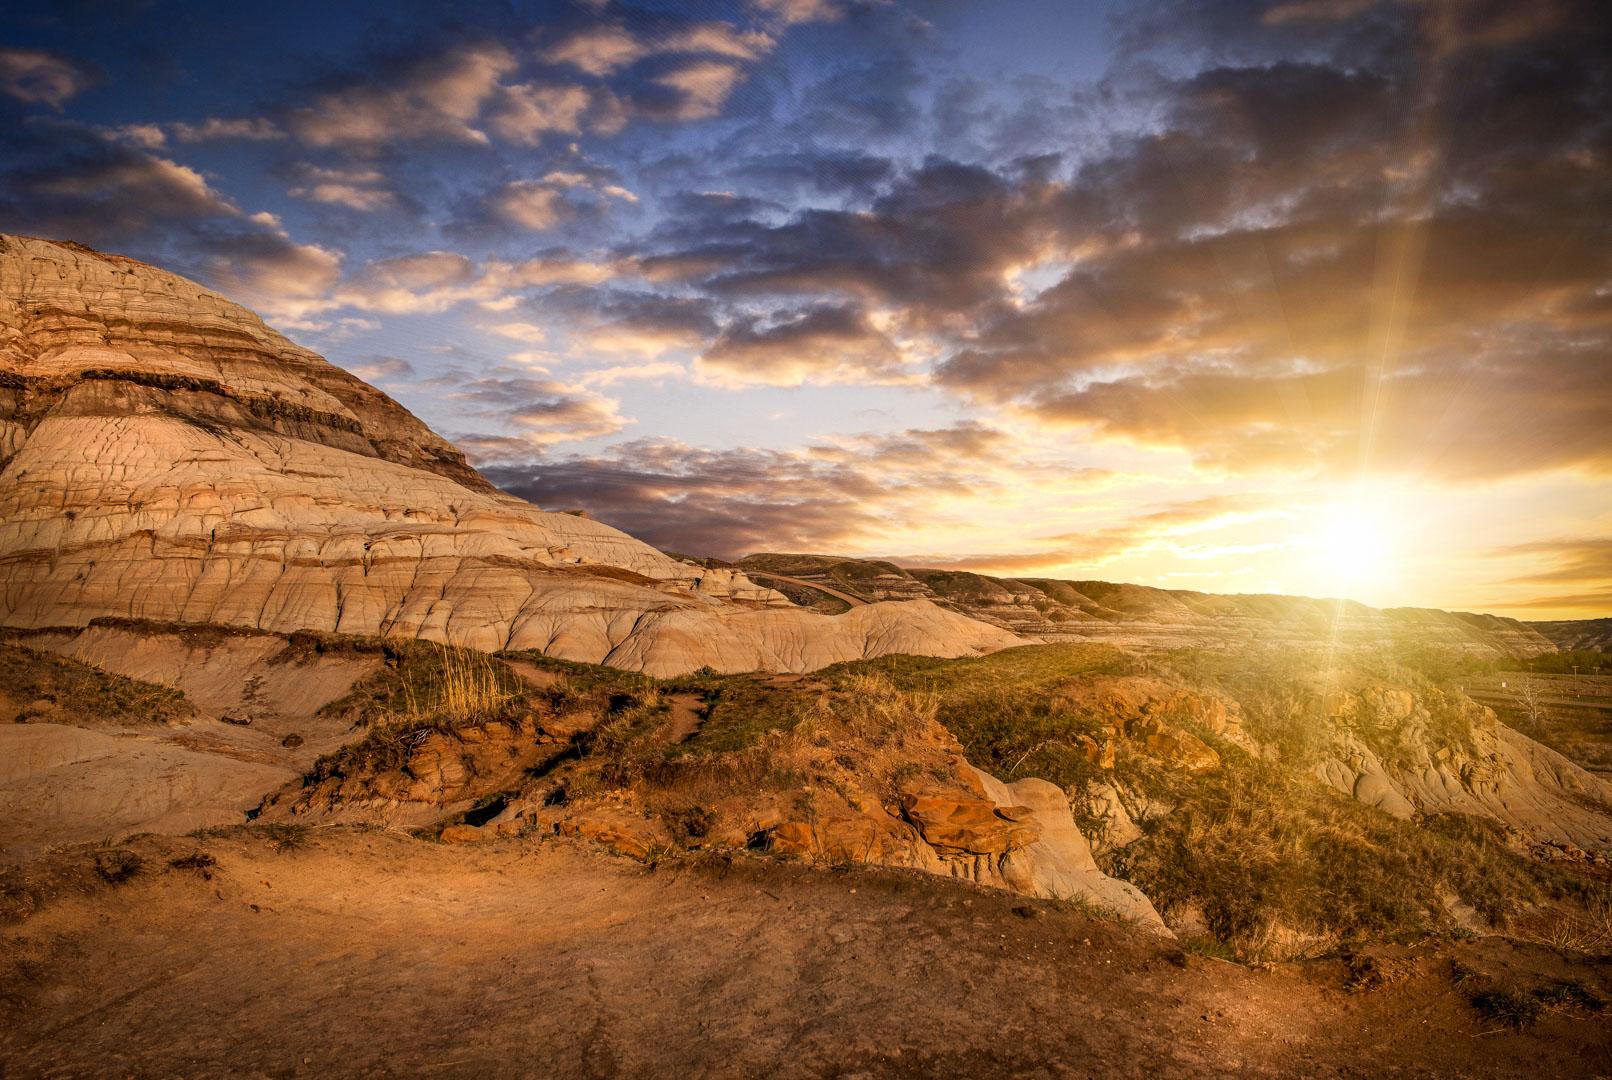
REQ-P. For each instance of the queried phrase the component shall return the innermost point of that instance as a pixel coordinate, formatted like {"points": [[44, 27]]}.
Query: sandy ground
{"points": [[372, 954]]}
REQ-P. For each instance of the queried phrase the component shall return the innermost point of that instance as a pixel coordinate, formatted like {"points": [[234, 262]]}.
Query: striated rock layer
{"points": [[165, 455], [1141, 617]]}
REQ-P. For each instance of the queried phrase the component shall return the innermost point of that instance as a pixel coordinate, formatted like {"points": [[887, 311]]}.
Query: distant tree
{"points": [[1531, 696]]}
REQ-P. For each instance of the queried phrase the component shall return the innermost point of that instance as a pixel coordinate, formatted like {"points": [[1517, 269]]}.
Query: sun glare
{"points": [[1353, 550]]}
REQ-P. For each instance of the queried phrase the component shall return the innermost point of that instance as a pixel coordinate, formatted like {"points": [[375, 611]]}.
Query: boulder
{"points": [[1059, 864], [960, 823]]}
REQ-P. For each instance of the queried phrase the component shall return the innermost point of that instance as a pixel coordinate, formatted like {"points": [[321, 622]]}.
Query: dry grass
{"points": [[1280, 866], [76, 689], [1588, 930], [844, 742], [424, 688], [461, 685]]}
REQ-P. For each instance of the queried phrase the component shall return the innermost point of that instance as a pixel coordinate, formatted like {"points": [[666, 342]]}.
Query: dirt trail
{"points": [[373, 954], [687, 714], [838, 594]]}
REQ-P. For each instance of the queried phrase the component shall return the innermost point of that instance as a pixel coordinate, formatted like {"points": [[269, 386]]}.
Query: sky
{"points": [[1306, 297]]}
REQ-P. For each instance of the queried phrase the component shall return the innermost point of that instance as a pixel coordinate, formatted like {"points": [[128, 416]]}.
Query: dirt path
{"points": [[687, 713], [372, 954], [838, 594]]}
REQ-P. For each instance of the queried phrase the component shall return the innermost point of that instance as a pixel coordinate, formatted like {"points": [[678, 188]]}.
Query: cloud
{"points": [[531, 204], [439, 96], [935, 248], [66, 180], [609, 376], [638, 323], [530, 333], [1370, 242], [700, 89], [357, 188], [1315, 292], [598, 50], [575, 189], [1582, 565], [1585, 559], [821, 172], [818, 345], [606, 48], [250, 129], [1155, 530], [543, 412], [731, 502], [434, 281], [527, 112], [37, 77], [266, 270], [798, 11], [381, 368]]}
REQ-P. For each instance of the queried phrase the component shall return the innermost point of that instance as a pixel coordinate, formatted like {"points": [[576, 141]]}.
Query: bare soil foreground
{"points": [[330, 951]]}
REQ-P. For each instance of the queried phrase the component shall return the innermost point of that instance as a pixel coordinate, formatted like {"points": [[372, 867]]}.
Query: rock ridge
{"points": [[166, 456]]}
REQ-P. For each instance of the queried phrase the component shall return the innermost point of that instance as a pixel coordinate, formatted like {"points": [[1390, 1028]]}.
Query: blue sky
{"points": [[1234, 295]]}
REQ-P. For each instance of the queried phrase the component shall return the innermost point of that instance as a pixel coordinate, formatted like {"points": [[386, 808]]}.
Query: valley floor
{"points": [[342, 952]]}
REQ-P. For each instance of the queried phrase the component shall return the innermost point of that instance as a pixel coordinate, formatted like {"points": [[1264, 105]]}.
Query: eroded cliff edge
{"points": [[165, 455]]}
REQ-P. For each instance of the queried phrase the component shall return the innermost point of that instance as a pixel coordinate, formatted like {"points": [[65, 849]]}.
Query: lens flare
{"points": [[1352, 550]]}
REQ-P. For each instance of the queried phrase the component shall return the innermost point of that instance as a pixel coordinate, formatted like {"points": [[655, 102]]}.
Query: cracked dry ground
{"points": [[374, 954]]}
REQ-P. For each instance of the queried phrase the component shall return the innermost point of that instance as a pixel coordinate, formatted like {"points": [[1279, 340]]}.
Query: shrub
{"points": [[116, 866], [1264, 852], [1507, 1005]]}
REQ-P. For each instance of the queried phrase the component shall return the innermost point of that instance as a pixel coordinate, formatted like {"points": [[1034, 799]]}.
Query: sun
{"points": [[1352, 548]]}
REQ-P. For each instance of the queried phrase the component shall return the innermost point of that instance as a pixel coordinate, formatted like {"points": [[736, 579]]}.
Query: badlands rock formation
{"points": [[166, 456], [1137, 616]]}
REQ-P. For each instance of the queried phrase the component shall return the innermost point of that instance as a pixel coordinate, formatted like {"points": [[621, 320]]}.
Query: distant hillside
{"points": [[1137, 615], [1577, 633]]}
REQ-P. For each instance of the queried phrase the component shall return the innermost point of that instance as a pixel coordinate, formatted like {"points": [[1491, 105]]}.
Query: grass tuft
{"points": [[1507, 1005]]}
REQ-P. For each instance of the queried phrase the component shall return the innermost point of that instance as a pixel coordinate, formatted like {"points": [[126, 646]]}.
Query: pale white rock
{"points": [[1059, 865], [1505, 777], [166, 456]]}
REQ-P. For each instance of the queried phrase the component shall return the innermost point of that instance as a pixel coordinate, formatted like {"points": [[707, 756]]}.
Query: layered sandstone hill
{"points": [[1591, 634], [164, 455], [1138, 616]]}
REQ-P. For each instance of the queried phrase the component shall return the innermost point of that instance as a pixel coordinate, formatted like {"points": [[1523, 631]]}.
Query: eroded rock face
{"points": [[1501, 775], [164, 455]]}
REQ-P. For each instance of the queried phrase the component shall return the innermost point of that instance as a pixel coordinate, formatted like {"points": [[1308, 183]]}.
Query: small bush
{"points": [[284, 836], [201, 862], [1570, 994], [1507, 1005], [117, 866]]}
